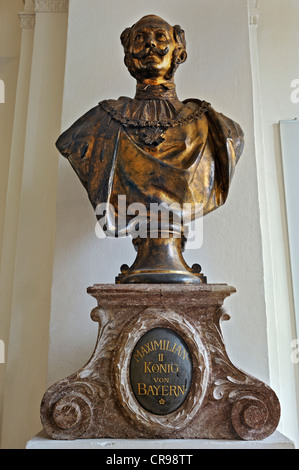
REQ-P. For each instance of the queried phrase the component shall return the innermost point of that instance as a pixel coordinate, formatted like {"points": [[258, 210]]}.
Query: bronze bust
{"points": [[154, 149]]}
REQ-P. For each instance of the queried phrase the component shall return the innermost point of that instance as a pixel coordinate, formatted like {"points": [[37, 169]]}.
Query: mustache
{"points": [[147, 50]]}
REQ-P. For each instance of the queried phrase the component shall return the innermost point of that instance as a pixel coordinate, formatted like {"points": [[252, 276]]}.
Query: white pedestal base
{"points": [[41, 441]]}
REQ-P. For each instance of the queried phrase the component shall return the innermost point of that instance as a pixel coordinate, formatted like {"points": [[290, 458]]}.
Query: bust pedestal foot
{"points": [[160, 260], [160, 370]]}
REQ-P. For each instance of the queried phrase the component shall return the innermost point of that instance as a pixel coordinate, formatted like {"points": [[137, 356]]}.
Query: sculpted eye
{"points": [[138, 37], [161, 36]]}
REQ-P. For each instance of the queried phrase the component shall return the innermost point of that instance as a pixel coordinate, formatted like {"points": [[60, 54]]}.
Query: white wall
{"points": [[289, 132], [278, 55], [217, 70]]}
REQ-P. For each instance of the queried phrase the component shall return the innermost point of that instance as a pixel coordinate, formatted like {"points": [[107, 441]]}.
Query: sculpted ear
{"points": [[126, 61], [179, 35], [125, 38], [182, 57]]}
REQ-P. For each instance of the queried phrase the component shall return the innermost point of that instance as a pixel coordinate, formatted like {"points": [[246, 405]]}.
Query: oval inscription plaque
{"points": [[161, 371]]}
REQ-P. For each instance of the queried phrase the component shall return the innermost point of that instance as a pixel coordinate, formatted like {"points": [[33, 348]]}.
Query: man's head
{"points": [[153, 49]]}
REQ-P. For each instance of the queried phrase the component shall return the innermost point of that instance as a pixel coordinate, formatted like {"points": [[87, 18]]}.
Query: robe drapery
{"points": [[154, 151]]}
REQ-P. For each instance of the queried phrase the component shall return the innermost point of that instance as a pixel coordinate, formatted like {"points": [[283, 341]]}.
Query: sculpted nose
{"points": [[150, 42]]}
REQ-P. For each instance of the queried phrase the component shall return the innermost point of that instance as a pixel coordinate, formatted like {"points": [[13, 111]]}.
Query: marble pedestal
{"points": [[98, 401]]}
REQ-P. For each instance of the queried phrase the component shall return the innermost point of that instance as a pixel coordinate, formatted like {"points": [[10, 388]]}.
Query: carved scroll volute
{"points": [[66, 412], [256, 416], [255, 408], [68, 408]]}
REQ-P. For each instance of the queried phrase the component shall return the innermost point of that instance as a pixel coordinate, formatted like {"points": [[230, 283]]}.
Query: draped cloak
{"points": [[110, 159]]}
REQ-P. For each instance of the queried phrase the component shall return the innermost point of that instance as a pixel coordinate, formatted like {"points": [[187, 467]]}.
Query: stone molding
{"points": [[254, 12], [27, 19], [51, 6]]}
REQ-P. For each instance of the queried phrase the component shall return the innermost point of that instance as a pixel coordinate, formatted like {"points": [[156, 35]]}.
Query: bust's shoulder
{"points": [[79, 132], [116, 108], [195, 108], [86, 121], [195, 103], [118, 104], [213, 116], [94, 115]]}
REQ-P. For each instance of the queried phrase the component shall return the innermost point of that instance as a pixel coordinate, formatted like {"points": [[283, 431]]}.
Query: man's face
{"points": [[151, 47]]}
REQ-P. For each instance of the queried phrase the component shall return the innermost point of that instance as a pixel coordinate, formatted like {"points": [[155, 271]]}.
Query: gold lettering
{"points": [[148, 348], [151, 368], [141, 391], [185, 355], [161, 379], [143, 350], [165, 368], [158, 344], [138, 355], [163, 345], [178, 350], [163, 390]]}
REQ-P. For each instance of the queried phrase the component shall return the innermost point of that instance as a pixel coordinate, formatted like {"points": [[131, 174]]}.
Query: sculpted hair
{"points": [[180, 53]]}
